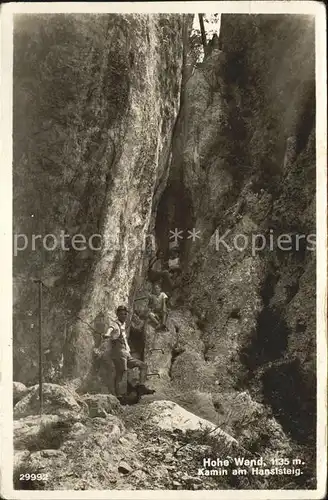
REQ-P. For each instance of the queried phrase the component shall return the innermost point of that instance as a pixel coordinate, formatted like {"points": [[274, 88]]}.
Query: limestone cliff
{"points": [[243, 164], [95, 98], [120, 141]]}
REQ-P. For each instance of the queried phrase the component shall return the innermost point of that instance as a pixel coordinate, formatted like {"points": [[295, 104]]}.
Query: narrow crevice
{"points": [[270, 339], [175, 211], [291, 399], [284, 386], [174, 354]]}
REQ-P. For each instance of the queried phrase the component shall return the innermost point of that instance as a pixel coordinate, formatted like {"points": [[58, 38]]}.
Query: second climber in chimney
{"points": [[121, 356]]}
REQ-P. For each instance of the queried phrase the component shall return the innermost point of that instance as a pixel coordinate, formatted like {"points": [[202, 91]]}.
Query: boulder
{"points": [[27, 430], [50, 431], [56, 400], [190, 371], [19, 391], [199, 403], [170, 416], [52, 453], [139, 92], [100, 405], [124, 468]]}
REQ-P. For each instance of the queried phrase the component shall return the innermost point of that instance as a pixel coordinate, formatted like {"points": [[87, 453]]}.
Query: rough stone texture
{"points": [[19, 458], [199, 403], [56, 399], [159, 361], [140, 458], [27, 429], [124, 468], [168, 415], [251, 423], [60, 445], [285, 353], [241, 107], [190, 370], [19, 391], [140, 454], [239, 320], [101, 404], [96, 137], [188, 336]]}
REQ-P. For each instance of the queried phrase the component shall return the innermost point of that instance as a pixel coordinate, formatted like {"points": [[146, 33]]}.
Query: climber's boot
{"points": [[143, 390]]}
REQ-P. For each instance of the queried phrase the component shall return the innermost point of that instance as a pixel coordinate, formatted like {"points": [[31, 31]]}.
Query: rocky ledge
{"points": [[90, 441]]}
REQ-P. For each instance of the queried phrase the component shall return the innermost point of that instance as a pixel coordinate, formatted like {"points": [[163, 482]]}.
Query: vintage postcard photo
{"points": [[164, 257]]}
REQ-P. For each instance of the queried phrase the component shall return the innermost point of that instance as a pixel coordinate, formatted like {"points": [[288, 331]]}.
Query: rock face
{"points": [[19, 391], [69, 448], [93, 172], [168, 415], [56, 399], [101, 404], [26, 430], [243, 164], [251, 423], [237, 165], [115, 452]]}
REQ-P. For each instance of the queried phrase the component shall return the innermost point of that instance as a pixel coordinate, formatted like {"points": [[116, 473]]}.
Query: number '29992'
{"points": [[33, 477]]}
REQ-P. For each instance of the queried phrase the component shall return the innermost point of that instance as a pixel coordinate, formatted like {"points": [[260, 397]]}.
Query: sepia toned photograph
{"points": [[165, 295]]}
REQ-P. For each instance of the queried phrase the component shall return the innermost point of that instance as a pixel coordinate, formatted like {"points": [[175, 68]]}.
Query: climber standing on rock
{"points": [[158, 305], [121, 356]]}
